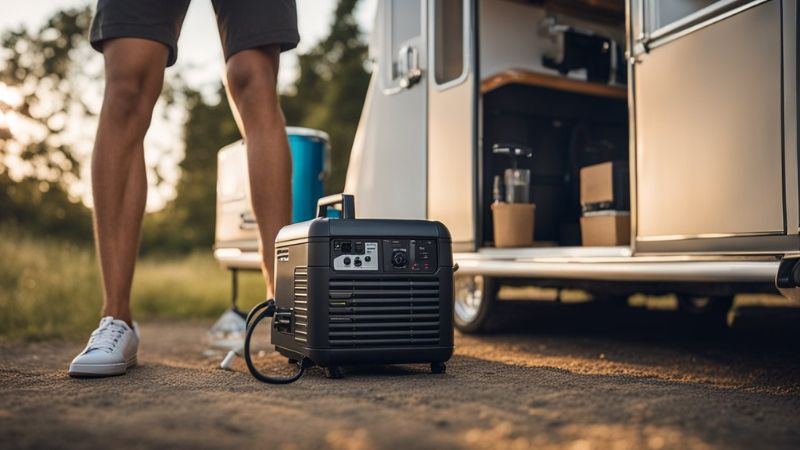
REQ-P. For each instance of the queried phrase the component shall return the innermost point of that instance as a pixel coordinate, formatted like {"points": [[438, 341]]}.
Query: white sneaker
{"points": [[111, 350]]}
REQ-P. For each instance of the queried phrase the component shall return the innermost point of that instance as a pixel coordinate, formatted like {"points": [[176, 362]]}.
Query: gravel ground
{"points": [[557, 376]]}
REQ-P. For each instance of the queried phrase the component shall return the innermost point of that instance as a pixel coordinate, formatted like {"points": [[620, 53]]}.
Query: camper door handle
{"points": [[247, 221], [408, 59]]}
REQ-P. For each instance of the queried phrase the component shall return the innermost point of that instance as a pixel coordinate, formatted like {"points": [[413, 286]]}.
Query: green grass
{"points": [[194, 286], [51, 289]]}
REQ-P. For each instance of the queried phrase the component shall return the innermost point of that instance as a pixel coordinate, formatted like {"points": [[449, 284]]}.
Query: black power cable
{"points": [[256, 315]]}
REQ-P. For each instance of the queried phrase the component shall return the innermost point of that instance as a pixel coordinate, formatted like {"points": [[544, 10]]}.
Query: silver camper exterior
{"points": [[697, 99]]}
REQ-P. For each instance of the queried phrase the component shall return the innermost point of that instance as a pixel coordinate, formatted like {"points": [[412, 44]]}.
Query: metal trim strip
{"points": [[683, 237], [627, 269]]}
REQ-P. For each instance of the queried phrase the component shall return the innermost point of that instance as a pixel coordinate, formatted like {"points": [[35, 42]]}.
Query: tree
{"points": [[42, 95], [43, 91], [50, 92]]}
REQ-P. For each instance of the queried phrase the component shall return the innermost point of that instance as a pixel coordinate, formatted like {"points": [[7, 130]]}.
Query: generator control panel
{"points": [[409, 255], [387, 255], [355, 254]]}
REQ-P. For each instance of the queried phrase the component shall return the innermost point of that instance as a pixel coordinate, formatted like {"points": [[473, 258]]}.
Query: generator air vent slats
{"points": [[377, 301], [301, 304], [366, 309], [353, 325], [383, 312], [383, 342], [420, 333], [383, 285]]}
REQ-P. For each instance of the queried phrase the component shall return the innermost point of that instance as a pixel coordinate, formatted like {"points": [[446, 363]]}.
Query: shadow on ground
{"points": [[553, 376]]}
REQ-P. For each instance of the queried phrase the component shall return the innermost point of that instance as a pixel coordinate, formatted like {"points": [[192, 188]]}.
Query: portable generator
{"points": [[359, 291]]}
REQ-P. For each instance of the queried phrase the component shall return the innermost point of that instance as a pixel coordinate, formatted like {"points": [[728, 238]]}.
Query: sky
{"points": [[201, 65]]}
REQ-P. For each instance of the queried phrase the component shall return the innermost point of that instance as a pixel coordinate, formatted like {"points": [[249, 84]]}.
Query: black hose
{"points": [[256, 315]]}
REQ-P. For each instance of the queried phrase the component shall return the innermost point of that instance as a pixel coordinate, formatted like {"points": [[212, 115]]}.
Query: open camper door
{"points": [[388, 160], [452, 109], [714, 169]]}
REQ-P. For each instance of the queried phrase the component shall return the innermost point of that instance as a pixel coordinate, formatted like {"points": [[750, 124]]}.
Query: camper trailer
{"points": [[611, 146]]}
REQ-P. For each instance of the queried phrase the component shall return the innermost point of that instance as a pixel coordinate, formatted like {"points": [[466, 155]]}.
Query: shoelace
{"points": [[106, 337]]}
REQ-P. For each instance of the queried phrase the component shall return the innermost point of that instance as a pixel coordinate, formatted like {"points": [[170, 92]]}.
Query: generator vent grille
{"points": [[383, 312], [301, 304]]}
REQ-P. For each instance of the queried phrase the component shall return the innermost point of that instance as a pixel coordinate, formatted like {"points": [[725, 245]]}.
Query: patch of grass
{"points": [[194, 286], [51, 289], [47, 288]]}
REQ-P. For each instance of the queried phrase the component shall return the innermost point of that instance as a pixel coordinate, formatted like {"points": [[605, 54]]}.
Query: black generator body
{"points": [[363, 291]]}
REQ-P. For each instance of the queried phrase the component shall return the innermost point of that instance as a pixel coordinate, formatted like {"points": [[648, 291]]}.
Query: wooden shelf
{"points": [[514, 76], [609, 12]]}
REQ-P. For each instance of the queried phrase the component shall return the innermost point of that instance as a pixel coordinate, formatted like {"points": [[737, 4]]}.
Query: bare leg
{"points": [[252, 79], [134, 76]]}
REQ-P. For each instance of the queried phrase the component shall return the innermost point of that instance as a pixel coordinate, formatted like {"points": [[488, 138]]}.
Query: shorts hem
{"points": [[124, 30], [286, 38]]}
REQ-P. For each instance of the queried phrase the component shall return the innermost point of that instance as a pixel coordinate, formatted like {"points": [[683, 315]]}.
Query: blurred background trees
{"points": [[37, 66], [42, 180]]}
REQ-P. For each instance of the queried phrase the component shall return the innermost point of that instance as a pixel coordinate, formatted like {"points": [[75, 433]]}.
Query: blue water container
{"points": [[309, 167]]}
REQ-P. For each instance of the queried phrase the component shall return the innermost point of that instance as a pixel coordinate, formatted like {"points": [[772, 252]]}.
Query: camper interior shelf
{"points": [[525, 77]]}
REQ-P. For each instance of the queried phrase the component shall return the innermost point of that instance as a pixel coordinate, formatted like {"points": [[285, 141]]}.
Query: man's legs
{"points": [[134, 77], [252, 80]]}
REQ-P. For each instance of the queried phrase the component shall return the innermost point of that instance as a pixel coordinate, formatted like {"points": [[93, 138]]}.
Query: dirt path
{"points": [[631, 380]]}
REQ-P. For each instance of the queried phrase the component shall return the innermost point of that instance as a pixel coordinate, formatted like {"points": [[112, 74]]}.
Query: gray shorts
{"points": [[243, 24]]}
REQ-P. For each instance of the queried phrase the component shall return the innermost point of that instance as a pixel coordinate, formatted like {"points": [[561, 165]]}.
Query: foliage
{"points": [[50, 288], [47, 89], [41, 95], [43, 207], [50, 92], [46, 287]]}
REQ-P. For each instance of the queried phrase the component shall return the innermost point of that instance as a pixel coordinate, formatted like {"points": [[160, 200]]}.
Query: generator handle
{"points": [[347, 201]]}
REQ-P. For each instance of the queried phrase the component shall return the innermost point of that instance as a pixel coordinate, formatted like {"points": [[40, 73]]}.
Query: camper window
{"points": [[662, 15], [448, 40]]}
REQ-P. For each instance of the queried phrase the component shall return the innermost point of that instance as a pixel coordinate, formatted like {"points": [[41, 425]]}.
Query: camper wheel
{"points": [[474, 302]]}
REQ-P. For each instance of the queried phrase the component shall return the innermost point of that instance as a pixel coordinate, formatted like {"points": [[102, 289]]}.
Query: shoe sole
{"points": [[100, 370]]}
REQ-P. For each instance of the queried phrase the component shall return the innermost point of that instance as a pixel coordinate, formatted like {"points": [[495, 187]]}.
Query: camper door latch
{"points": [[408, 63], [247, 221]]}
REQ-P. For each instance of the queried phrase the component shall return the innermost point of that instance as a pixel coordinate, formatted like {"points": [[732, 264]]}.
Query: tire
{"points": [[475, 297]]}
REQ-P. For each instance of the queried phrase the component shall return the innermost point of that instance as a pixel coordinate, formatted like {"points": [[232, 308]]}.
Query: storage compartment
{"points": [[554, 79], [567, 130]]}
